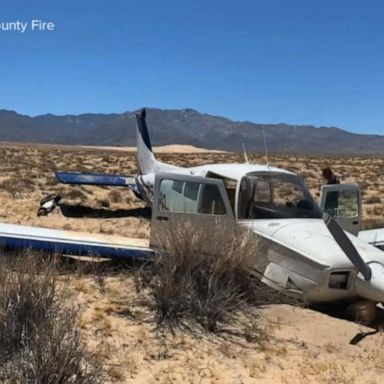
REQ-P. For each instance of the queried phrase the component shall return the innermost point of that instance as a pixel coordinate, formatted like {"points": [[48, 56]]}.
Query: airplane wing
{"points": [[78, 178], [18, 237], [374, 237]]}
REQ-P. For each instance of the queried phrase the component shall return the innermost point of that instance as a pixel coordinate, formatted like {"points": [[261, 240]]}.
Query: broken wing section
{"points": [[78, 178]]}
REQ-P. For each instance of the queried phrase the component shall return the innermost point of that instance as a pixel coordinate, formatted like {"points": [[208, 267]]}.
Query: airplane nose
{"points": [[373, 289]]}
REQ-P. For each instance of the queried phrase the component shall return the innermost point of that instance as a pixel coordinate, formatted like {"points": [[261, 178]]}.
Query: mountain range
{"points": [[185, 126]]}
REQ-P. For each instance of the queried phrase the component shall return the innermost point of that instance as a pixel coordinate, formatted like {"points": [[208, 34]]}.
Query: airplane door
{"points": [[203, 201], [343, 203]]}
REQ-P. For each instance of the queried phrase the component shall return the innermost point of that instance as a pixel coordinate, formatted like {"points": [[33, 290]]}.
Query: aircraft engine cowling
{"points": [[372, 289]]}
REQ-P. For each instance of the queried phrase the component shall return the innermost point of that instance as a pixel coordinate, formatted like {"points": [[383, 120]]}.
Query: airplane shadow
{"points": [[338, 311], [82, 211]]}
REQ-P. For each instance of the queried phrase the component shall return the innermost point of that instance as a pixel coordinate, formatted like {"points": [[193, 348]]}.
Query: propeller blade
{"points": [[346, 245]]}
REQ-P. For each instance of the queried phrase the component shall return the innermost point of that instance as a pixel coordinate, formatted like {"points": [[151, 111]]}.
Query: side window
{"points": [[170, 196], [190, 197], [191, 191], [177, 186], [342, 203], [211, 201]]}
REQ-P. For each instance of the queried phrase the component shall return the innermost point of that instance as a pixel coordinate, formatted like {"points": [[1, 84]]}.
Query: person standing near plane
{"points": [[329, 176], [332, 199]]}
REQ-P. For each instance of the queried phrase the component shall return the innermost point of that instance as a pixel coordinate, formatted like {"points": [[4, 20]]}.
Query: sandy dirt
{"points": [[301, 346], [298, 345], [171, 148]]}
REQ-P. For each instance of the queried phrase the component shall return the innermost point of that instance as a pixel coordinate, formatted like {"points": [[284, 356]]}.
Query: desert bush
{"points": [[375, 210], [39, 339], [373, 223], [203, 276], [378, 210], [17, 185], [372, 200], [115, 196], [104, 203], [76, 194], [51, 181], [25, 300]]}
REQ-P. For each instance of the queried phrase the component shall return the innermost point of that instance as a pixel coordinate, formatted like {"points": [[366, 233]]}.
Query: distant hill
{"points": [[183, 127]]}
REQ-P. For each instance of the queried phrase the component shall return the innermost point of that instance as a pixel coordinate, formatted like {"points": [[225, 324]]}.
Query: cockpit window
{"points": [[275, 196]]}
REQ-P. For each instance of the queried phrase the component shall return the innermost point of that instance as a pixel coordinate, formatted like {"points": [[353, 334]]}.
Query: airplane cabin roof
{"points": [[234, 171]]}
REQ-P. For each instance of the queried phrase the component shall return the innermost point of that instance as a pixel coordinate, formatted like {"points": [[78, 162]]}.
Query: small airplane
{"points": [[316, 251]]}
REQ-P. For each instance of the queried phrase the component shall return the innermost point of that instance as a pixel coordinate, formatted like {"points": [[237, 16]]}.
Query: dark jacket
{"points": [[333, 180], [332, 199]]}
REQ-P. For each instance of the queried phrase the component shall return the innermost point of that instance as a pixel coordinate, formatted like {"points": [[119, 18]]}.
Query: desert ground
{"points": [[298, 345]]}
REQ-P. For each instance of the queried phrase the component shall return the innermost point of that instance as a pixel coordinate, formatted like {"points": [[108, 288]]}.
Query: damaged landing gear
{"points": [[48, 204], [363, 312]]}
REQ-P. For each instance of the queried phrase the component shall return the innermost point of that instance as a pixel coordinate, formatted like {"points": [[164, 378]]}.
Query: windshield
{"points": [[275, 196]]}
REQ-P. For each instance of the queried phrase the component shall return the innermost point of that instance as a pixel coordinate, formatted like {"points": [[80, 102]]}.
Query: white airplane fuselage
{"points": [[302, 256]]}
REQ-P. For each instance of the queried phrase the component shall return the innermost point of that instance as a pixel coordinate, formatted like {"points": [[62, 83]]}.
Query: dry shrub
{"points": [[373, 223], [375, 210], [104, 203], [115, 196], [39, 339], [378, 210], [75, 193], [51, 181], [372, 200], [17, 185], [203, 276]]}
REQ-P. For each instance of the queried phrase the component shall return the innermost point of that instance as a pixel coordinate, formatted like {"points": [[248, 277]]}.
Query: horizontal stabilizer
{"points": [[77, 178]]}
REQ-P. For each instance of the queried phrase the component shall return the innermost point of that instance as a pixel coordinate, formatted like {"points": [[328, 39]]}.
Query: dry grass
{"points": [[189, 283], [39, 338]]}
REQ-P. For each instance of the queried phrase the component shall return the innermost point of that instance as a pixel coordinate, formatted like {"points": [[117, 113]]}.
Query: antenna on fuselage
{"points": [[265, 147], [245, 154]]}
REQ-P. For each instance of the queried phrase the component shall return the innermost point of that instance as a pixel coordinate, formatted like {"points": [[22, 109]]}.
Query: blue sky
{"points": [[299, 61]]}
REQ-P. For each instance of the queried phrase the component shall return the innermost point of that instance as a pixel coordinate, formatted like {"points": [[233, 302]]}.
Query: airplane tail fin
{"points": [[145, 157]]}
